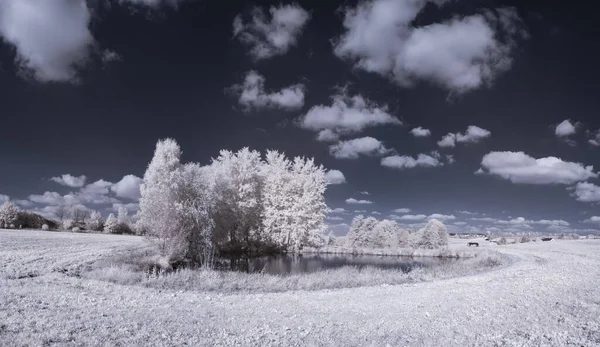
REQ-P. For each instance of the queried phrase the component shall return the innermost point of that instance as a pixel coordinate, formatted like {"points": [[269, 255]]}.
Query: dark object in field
{"points": [[476, 244], [547, 238]]}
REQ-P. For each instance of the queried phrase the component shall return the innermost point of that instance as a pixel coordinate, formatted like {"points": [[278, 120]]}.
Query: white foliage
{"points": [[238, 203], [385, 234], [158, 214], [68, 224], [123, 216], [433, 235], [95, 221], [308, 189], [238, 194], [8, 214], [278, 202], [371, 233], [112, 224], [194, 206]]}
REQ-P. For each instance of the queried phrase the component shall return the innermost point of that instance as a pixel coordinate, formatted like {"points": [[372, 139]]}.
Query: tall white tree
{"points": [[385, 234], [308, 208], [278, 200], [123, 215], [158, 215], [238, 188], [356, 229], [111, 225], [8, 214], [95, 221], [194, 203]]}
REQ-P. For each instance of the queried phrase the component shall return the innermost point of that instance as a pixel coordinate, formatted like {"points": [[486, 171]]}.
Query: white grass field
{"points": [[549, 295]]}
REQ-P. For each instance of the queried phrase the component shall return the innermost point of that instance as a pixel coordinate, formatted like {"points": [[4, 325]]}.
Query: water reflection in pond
{"points": [[285, 264]]}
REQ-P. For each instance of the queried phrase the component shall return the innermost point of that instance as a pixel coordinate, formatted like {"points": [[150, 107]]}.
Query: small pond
{"points": [[286, 264]]}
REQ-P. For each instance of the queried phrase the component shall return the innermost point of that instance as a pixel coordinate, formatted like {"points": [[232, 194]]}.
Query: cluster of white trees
{"points": [[72, 216], [372, 233], [241, 202]]}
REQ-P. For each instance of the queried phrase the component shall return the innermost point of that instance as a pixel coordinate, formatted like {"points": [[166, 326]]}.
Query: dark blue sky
{"points": [[176, 66]]}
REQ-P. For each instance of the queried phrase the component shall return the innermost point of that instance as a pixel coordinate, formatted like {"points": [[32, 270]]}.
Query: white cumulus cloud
{"points": [[52, 39], [595, 140], [352, 149], [519, 167], [268, 37], [48, 198], [442, 217], [586, 192], [4, 198], [473, 134], [345, 115], [352, 201], [334, 218], [131, 207], [410, 217], [406, 162], [565, 128], [460, 54], [593, 219], [420, 132], [252, 94], [327, 136], [335, 177], [23, 203], [128, 187], [447, 141], [70, 180], [402, 210]]}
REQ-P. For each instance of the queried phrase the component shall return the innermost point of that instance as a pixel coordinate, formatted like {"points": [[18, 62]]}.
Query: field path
{"points": [[549, 296]]}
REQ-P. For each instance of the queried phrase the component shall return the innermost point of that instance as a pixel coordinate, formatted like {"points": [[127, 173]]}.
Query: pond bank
{"points": [[442, 252], [131, 269]]}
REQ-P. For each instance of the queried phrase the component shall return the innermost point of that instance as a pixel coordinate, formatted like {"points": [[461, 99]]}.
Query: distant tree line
{"points": [[372, 233], [74, 218]]}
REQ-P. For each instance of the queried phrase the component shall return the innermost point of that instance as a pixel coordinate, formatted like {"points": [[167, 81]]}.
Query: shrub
{"points": [[45, 227], [95, 221], [111, 225], [502, 241], [68, 224], [76, 230]]}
